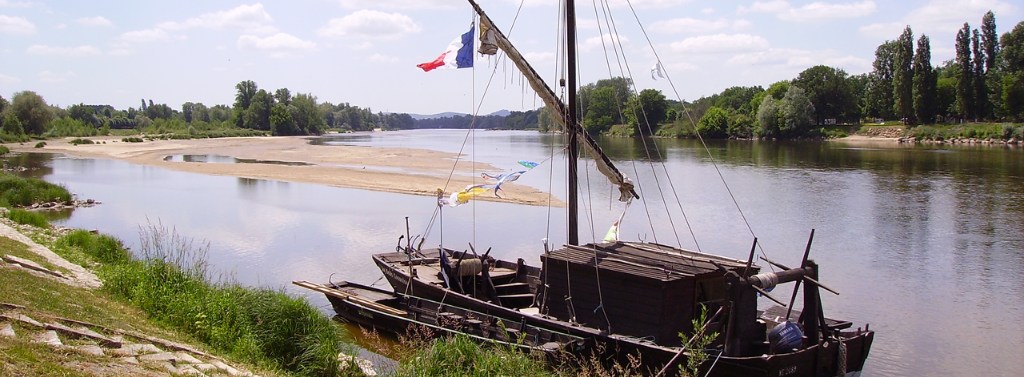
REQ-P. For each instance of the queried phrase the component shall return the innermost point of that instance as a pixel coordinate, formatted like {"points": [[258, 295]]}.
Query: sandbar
{"points": [[398, 170]]}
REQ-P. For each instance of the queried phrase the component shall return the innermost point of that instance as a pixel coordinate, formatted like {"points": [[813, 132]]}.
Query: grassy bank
{"points": [[168, 281]]}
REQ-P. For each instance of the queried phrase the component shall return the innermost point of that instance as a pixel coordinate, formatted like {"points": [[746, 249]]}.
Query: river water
{"points": [[924, 243]]}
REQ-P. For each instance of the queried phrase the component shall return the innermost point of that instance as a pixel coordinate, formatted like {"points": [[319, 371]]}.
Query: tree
{"points": [[714, 124], [769, 118], [830, 93], [257, 115], [924, 82], [980, 94], [243, 99], [989, 40], [1011, 60], [283, 96], [964, 73], [11, 124], [797, 113], [602, 110], [647, 111], [308, 118], [281, 121], [1012, 53], [879, 97], [738, 98], [31, 111], [903, 77], [187, 109], [614, 94], [3, 104]]}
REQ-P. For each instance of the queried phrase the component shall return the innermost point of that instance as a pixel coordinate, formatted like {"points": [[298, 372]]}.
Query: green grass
{"points": [[20, 250], [132, 139], [461, 356], [21, 216], [4, 150], [260, 326], [19, 192]]}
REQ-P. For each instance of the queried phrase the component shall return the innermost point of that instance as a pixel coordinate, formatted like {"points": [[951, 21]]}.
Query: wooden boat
{"points": [[650, 296], [634, 298], [397, 314]]}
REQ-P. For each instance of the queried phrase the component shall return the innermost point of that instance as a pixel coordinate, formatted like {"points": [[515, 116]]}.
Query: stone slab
{"points": [[185, 357], [7, 331], [48, 337], [162, 356], [90, 349]]}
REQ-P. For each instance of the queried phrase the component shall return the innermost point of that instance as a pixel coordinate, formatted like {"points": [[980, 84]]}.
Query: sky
{"points": [[364, 52]]}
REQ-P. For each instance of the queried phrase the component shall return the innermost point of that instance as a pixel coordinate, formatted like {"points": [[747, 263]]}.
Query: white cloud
{"points": [[399, 4], [939, 19], [252, 19], [370, 24], [145, 36], [16, 25], [84, 50], [279, 45], [798, 60], [689, 25], [99, 21], [5, 79], [813, 12], [647, 4], [720, 43], [609, 42], [55, 77]]}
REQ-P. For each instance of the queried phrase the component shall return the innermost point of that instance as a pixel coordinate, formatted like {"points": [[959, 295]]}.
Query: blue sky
{"points": [[364, 52]]}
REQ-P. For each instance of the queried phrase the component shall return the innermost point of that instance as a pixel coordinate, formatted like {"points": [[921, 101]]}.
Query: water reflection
{"points": [[218, 159]]}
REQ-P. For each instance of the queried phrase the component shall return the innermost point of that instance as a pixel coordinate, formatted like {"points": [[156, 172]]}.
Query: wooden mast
{"points": [[573, 150]]}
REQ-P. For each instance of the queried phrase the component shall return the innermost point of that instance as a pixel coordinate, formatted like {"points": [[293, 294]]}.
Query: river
{"points": [[922, 242]]}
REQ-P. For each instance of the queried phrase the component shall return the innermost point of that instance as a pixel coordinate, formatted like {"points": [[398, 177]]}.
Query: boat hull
{"points": [[822, 359]]}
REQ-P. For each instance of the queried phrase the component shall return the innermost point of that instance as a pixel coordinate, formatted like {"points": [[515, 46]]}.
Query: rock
{"points": [[170, 368], [226, 368], [129, 360], [7, 331], [90, 349], [188, 370], [49, 338], [185, 357], [135, 349], [162, 356]]}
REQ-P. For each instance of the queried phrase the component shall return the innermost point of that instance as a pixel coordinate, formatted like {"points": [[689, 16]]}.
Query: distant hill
{"points": [[449, 114]]}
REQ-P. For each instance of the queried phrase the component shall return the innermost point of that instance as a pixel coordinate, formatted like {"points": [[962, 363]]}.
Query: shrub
{"points": [[21, 192], [40, 144], [132, 139], [4, 150], [102, 248], [21, 216], [81, 141]]}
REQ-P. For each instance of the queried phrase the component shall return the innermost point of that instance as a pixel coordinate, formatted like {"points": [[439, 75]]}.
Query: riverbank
{"points": [[44, 332], [294, 159]]}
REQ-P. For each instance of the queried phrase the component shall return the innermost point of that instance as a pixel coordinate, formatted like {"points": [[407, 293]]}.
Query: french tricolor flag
{"points": [[459, 54]]}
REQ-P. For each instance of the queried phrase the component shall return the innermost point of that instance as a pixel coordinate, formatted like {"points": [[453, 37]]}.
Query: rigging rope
{"points": [[689, 116]]}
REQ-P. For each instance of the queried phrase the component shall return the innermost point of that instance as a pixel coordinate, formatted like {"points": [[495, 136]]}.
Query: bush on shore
{"points": [[21, 216], [20, 192]]}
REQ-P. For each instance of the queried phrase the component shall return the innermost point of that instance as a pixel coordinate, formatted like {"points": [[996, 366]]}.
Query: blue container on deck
{"points": [[785, 337]]}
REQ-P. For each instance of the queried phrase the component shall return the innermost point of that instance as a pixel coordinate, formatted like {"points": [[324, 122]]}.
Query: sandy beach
{"points": [[399, 170]]}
